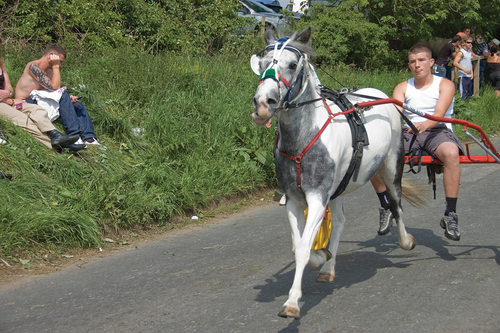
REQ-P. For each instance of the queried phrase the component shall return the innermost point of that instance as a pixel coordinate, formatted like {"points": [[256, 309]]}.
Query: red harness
{"points": [[298, 159]]}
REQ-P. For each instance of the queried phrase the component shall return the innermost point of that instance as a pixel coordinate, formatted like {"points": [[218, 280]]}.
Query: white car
{"points": [[256, 10]]}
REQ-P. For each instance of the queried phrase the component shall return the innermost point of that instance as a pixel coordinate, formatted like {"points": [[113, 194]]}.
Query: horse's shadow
{"points": [[358, 266], [352, 268]]}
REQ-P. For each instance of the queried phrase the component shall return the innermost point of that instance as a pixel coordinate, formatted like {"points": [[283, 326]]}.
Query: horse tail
{"points": [[413, 194]]}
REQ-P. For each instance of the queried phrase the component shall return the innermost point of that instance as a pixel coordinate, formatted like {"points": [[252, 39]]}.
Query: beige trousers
{"points": [[32, 118]]}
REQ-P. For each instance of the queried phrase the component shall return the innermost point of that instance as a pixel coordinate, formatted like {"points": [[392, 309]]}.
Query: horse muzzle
{"points": [[261, 121], [266, 103]]}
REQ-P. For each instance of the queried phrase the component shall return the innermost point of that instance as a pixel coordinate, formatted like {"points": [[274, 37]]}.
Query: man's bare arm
{"points": [[37, 73]]}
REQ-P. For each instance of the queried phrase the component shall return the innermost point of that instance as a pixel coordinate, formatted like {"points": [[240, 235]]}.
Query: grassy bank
{"points": [[178, 135]]}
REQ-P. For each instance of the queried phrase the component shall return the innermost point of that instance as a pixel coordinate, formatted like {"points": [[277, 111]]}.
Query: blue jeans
{"points": [[439, 70], [75, 117]]}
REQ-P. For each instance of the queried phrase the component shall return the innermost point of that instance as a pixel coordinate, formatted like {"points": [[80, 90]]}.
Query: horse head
{"points": [[284, 72]]}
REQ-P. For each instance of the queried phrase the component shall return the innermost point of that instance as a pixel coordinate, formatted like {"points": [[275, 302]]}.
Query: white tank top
{"points": [[425, 100], [465, 62]]}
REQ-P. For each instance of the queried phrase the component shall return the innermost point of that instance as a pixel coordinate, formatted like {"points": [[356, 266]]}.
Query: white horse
{"points": [[310, 170]]}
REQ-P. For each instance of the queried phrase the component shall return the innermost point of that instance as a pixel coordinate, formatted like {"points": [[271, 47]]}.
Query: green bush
{"points": [[198, 27]]}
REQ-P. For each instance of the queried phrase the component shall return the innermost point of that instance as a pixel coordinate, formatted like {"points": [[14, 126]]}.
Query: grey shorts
{"points": [[431, 139]]}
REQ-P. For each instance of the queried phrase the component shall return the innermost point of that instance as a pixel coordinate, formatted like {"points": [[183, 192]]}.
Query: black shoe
{"points": [[450, 225], [72, 148], [5, 176], [58, 140], [385, 221]]}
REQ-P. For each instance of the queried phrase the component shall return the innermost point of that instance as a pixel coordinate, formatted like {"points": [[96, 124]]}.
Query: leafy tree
{"points": [[411, 21], [194, 26], [353, 41]]}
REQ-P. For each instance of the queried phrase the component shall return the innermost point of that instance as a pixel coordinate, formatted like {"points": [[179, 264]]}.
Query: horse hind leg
{"points": [[392, 180]]}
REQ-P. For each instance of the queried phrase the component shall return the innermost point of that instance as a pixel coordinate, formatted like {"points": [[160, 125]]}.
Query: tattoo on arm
{"points": [[40, 76]]}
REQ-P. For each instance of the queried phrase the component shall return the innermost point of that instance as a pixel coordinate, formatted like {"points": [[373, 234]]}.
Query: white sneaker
{"points": [[79, 142], [93, 141], [283, 200]]}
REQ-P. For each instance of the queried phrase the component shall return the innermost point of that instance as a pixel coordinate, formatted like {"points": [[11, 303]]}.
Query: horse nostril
{"points": [[272, 101]]}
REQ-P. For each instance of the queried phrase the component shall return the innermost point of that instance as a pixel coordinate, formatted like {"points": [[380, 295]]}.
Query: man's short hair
{"points": [[55, 48], [456, 38], [417, 48]]}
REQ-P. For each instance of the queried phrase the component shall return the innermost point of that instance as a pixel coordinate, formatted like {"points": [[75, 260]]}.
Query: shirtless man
{"points": [[44, 74], [30, 117]]}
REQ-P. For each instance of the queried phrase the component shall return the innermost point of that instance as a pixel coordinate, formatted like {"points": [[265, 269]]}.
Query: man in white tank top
{"points": [[434, 95]]}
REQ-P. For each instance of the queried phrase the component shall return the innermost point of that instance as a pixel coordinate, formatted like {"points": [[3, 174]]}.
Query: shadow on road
{"points": [[362, 264], [352, 268]]}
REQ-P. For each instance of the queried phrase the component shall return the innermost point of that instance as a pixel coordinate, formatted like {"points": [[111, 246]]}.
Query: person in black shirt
{"points": [[446, 54]]}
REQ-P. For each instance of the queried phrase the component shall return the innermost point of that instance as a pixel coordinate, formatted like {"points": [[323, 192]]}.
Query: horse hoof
{"points": [[289, 312], [325, 277], [413, 242], [410, 246]]}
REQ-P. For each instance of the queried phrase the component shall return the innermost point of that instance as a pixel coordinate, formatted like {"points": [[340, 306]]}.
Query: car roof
{"points": [[270, 2], [253, 4]]}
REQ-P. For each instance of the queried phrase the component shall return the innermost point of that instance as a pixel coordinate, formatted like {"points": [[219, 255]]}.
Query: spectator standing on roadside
{"points": [[446, 55], [484, 50], [494, 68], [463, 63]]}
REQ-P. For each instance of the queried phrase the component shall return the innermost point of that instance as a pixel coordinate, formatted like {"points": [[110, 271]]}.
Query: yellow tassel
{"points": [[323, 235]]}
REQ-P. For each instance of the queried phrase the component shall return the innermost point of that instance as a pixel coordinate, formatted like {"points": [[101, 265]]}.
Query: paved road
{"points": [[235, 276]]}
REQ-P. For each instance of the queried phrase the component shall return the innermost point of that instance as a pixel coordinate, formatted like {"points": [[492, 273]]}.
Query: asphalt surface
{"points": [[235, 276]]}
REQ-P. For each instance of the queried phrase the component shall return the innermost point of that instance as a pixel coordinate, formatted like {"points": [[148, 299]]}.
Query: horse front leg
{"points": [[303, 246], [327, 272], [295, 215]]}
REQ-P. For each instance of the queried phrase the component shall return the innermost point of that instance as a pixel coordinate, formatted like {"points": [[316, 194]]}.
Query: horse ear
{"points": [[269, 36], [304, 36]]}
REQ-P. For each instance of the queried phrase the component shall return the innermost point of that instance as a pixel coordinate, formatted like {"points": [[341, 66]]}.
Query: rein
{"points": [[359, 136]]}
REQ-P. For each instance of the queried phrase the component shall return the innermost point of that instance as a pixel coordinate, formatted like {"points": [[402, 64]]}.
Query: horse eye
{"points": [[293, 66]]}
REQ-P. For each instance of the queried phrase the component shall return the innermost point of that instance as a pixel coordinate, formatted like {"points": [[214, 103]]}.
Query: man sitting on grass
{"points": [[44, 74]]}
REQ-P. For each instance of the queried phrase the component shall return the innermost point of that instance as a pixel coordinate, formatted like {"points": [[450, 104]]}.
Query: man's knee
{"points": [[448, 152]]}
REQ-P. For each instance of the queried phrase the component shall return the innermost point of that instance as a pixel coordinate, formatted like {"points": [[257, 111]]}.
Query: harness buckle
{"points": [[361, 114]]}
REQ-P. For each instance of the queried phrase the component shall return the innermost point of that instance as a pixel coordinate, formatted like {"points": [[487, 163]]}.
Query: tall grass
{"points": [[196, 144]]}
